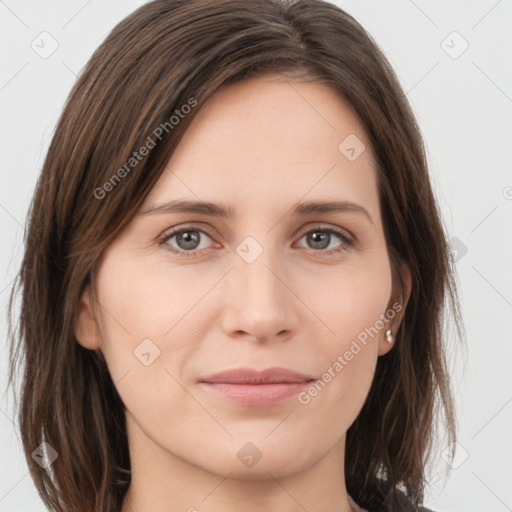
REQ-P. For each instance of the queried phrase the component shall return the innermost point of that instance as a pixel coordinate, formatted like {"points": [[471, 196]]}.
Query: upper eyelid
{"points": [[172, 232]]}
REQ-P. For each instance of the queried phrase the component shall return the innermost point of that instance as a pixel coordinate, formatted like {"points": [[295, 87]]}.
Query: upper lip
{"points": [[250, 376]]}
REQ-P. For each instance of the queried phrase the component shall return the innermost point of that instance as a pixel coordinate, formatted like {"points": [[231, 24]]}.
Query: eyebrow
{"points": [[223, 211]]}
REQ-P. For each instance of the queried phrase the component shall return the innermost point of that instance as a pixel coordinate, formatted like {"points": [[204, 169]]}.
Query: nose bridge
{"points": [[256, 267], [260, 302]]}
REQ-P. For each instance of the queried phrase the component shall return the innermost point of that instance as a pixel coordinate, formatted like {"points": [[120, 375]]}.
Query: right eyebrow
{"points": [[199, 207]]}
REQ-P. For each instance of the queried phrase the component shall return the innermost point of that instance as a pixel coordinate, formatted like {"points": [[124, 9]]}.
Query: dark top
{"points": [[408, 506], [405, 505]]}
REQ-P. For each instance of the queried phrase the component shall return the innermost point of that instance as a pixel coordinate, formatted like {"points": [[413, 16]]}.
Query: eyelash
{"points": [[347, 242]]}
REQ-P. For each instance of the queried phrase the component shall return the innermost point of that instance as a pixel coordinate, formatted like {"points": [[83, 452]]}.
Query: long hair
{"points": [[149, 78]]}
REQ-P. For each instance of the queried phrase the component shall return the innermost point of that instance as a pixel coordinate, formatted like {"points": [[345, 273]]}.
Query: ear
{"points": [[86, 328], [396, 309]]}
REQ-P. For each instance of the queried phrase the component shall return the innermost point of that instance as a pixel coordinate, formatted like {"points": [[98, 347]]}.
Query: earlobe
{"points": [[396, 311], [86, 328]]}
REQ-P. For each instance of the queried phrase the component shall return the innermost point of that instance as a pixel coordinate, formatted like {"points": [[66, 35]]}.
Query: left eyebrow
{"points": [[199, 207], [315, 207], [223, 211]]}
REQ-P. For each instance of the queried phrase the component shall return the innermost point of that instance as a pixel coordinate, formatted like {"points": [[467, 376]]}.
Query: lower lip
{"points": [[257, 395]]}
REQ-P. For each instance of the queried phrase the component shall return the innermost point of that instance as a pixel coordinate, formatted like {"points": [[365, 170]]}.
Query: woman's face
{"points": [[270, 284]]}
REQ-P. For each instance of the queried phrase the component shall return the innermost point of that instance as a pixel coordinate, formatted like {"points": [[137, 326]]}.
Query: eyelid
{"points": [[321, 226], [172, 232], [195, 226], [349, 241]]}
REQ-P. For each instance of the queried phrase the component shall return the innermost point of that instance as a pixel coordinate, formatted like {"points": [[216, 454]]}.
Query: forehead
{"points": [[267, 138]]}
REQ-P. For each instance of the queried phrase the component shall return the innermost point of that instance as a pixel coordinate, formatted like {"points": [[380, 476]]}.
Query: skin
{"points": [[259, 146]]}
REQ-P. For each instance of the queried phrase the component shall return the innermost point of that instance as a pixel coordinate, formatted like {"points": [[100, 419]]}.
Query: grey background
{"points": [[463, 102]]}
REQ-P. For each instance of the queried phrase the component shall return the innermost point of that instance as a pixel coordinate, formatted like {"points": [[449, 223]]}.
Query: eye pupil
{"points": [[317, 236], [190, 238]]}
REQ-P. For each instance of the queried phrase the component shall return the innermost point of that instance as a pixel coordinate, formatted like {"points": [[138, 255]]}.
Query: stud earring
{"points": [[389, 336]]}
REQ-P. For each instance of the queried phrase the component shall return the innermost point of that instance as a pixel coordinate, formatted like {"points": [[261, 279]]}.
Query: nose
{"points": [[260, 303]]}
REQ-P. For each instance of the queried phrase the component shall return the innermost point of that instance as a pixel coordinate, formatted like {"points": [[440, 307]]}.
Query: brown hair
{"points": [[171, 53]]}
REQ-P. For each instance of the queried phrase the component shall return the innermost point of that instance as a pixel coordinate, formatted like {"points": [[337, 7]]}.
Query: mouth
{"points": [[253, 388]]}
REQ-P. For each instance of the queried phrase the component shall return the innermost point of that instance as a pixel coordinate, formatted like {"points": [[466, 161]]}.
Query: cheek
{"points": [[144, 324], [351, 299], [352, 304], [144, 299]]}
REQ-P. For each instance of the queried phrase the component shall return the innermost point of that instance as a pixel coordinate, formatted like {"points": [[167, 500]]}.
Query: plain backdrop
{"points": [[454, 61]]}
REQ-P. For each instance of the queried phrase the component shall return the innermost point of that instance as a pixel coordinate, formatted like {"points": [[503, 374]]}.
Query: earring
{"points": [[389, 336]]}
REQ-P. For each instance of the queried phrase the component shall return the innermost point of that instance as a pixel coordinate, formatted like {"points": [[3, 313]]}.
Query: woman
{"points": [[234, 274]]}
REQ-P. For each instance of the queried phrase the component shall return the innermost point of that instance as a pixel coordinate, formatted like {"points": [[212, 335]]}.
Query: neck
{"points": [[162, 481]]}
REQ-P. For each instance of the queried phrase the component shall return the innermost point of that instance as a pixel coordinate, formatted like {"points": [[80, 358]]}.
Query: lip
{"points": [[254, 388]]}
